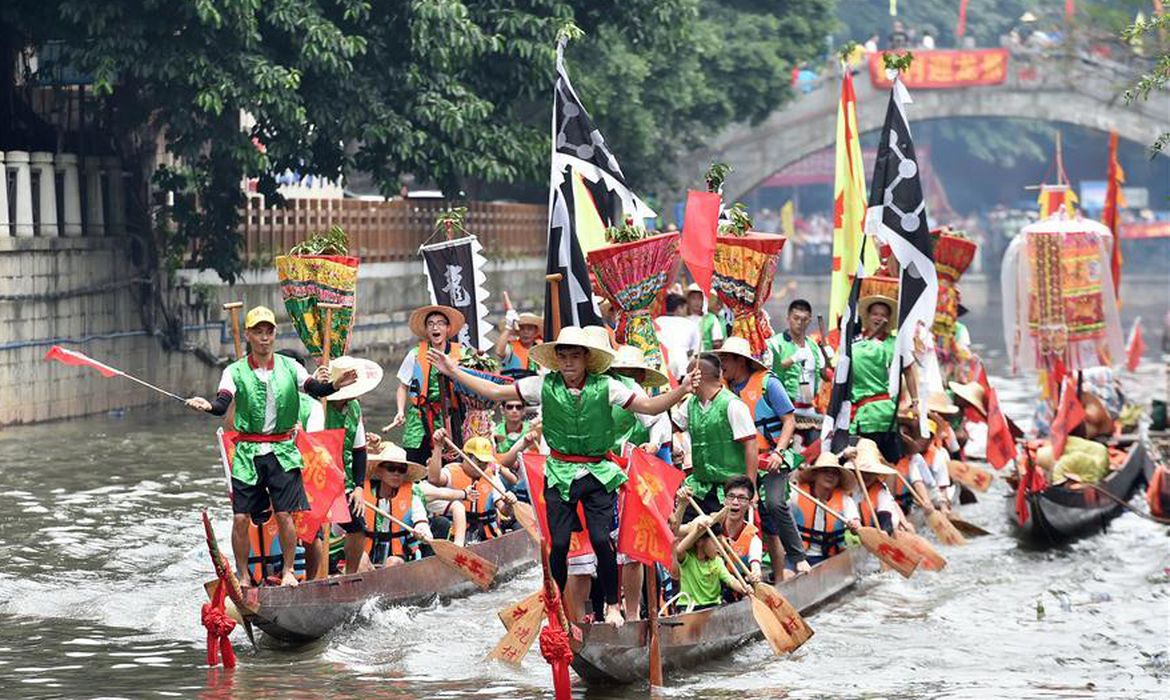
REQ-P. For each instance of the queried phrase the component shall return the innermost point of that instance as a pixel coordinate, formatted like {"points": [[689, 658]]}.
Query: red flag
{"points": [[77, 359], [1136, 346], [961, 26], [1069, 415], [700, 226], [534, 469], [1111, 215], [1001, 444], [644, 533], [324, 480], [1032, 481]]}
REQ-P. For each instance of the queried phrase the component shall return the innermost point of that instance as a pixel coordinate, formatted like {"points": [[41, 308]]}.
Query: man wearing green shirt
{"points": [[798, 362], [873, 408], [435, 326], [577, 399], [711, 330]]}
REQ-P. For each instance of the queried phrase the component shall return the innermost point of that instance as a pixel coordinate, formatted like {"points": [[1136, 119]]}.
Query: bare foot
{"points": [[613, 616], [289, 579], [245, 582]]}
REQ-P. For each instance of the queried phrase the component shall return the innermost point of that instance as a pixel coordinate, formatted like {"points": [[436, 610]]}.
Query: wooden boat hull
{"points": [[605, 655], [308, 612], [1059, 514]]}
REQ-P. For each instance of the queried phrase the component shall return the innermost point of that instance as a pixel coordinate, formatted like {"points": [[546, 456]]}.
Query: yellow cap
{"points": [[258, 315], [480, 448], [931, 426]]}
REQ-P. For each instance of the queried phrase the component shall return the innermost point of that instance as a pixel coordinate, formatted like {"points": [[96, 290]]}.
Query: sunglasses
{"points": [[396, 468], [514, 407]]}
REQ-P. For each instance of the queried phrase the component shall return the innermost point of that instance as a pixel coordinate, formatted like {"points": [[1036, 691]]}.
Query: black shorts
{"points": [[355, 524], [283, 490]]}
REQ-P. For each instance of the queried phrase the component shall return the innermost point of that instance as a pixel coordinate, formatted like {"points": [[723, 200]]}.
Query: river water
{"points": [[102, 560]]}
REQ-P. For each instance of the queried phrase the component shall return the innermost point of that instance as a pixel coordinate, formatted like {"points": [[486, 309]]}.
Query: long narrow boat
{"points": [[604, 654], [301, 614], [1059, 514]]}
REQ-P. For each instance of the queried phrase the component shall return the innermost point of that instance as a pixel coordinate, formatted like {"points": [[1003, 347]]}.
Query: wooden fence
{"points": [[385, 231]]}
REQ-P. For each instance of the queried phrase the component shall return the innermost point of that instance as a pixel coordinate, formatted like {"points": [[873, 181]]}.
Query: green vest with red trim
{"points": [[251, 399]]}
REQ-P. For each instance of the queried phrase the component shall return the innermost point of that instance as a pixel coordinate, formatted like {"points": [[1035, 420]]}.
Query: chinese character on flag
{"points": [[644, 533], [324, 481], [534, 469]]}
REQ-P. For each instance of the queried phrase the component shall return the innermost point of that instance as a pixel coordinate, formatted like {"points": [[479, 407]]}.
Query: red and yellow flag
{"points": [[849, 204], [1110, 215], [1053, 197], [648, 498], [534, 469]]}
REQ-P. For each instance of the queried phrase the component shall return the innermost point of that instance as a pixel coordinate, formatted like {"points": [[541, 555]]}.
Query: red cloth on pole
{"points": [[1136, 346], [700, 226], [644, 534], [1001, 444], [1111, 213], [77, 359], [324, 480], [534, 469], [1069, 415], [219, 625], [961, 26]]}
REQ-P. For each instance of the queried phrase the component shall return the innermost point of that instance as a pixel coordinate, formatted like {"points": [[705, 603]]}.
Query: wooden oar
{"points": [[524, 513], [768, 620], [522, 622], [973, 478], [233, 309], [939, 524], [554, 283], [473, 567], [965, 527], [931, 559], [893, 554]]}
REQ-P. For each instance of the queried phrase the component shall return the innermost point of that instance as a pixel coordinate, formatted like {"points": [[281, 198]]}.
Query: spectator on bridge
{"points": [[927, 42], [898, 38]]}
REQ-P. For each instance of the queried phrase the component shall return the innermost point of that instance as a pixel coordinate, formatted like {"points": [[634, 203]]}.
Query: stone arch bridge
{"points": [[1067, 88]]}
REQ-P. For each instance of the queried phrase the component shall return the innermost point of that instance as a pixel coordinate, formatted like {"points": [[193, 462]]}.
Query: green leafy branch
{"points": [[451, 221], [332, 242], [741, 221], [898, 61], [716, 176]]}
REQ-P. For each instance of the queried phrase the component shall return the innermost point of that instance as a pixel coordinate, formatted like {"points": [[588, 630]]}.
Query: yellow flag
{"points": [[788, 220], [590, 228], [849, 204]]}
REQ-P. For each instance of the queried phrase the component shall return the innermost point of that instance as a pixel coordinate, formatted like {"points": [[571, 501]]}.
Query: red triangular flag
{"points": [[1136, 346], [700, 226], [77, 359], [1001, 444], [1069, 415], [644, 534]]}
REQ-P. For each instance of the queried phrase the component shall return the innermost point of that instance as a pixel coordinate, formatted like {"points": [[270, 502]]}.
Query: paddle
{"points": [[893, 554], [939, 524], [931, 559], [768, 619], [522, 622], [233, 309], [473, 567], [966, 527], [973, 478], [524, 513]]}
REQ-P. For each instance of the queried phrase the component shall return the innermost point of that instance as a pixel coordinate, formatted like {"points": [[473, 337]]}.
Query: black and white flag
{"points": [[455, 270], [835, 430], [587, 193], [897, 217]]}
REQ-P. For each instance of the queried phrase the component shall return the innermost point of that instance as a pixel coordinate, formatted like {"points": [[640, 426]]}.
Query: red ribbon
{"points": [[219, 626], [554, 643]]}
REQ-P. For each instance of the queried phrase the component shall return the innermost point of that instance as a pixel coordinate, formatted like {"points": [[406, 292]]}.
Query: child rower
{"points": [[868, 460], [476, 513], [702, 570], [393, 481], [744, 537]]}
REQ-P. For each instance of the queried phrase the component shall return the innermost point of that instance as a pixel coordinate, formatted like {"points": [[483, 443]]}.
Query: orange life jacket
{"points": [[424, 372], [868, 517], [898, 488], [481, 511], [390, 538], [832, 538], [741, 545], [521, 353], [264, 551], [767, 423]]}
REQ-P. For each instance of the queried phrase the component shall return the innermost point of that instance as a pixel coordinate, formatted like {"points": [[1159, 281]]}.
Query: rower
{"points": [[722, 435], [479, 504], [800, 365], [913, 465], [823, 533], [576, 397], [508, 433], [744, 537], [434, 326], [521, 334], [393, 485], [702, 571], [266, 467], [711, 330], [775, 422], [868, 460], [873, 355]]}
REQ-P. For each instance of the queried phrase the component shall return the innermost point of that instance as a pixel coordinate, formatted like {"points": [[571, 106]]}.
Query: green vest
{"points": [[626, 426], [871, 377], [507, 443], [782, 349], [250, 399], [706, 330], [306, 409], [580, 426], [715, 455], [350, 419]]}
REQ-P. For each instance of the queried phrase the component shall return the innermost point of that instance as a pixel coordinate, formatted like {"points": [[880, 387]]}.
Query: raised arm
{"points": [[486, 389], [435, 462], [654, 405], [502, 342]]}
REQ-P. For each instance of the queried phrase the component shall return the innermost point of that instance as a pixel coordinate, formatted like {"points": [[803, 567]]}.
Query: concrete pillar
{"points": [[70, 193], [116, 187], [94, 211], [5, 231], [23, 221], [42, 163]]}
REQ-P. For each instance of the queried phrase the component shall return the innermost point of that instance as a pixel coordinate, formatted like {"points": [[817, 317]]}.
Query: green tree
{"points": [[1158, 76]]}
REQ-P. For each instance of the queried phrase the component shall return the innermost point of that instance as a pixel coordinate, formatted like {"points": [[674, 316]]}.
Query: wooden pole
{"points": [[326, 349], [554, 283], [233, 309], [650, 573]]}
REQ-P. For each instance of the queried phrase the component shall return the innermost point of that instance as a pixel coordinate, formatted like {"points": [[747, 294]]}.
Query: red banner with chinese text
{"points": [[534, 468], [946, 69], [644, 534]]}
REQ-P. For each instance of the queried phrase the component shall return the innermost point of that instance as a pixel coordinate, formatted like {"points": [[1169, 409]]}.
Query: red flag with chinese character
{"points": [[1111, 213], [534, 469], [700, 226], [644, 533], [1001, 445], [1136, 346], [1069, 415], [324, 480]]}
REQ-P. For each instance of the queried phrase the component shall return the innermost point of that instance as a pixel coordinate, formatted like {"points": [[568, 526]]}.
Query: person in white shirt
{"points": [[678, 335]]}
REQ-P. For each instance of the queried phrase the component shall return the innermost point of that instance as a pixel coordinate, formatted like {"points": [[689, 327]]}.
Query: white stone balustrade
{"points": [[66, 164], [17, 162], [95, 218], [42, 165], [55, 208], [5, 230]]}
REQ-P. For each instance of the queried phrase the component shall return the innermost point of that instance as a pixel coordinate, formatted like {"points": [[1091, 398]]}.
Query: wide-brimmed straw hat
{"points": [[630, 357], [599, 355], [938, 402], [869, 458], [418, 319], [390, 453], [369, 376], [827, 460], [878, 289], [972, 393], [741, 348], [530, 319]]}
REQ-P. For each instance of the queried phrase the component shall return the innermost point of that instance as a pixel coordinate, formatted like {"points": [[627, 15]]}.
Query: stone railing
{"points": [[58, 194]]}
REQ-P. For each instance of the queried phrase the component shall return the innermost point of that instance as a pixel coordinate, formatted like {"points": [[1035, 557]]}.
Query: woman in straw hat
{"points": [[823, 533], [577, 399], [393, 485], [434, 326], [514, 346], [775, 420], [868, 460]]}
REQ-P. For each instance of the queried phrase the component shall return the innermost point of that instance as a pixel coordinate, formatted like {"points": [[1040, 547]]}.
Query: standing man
{"points": [[434, 326], [873, 408], [799, 364], [521, 334], [775, 422], [711, 330], [678, 335], [576, 399], [266, 467]]}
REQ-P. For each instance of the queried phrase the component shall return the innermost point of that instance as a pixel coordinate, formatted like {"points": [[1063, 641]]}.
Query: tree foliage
{"points": [[1158, 77]]}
